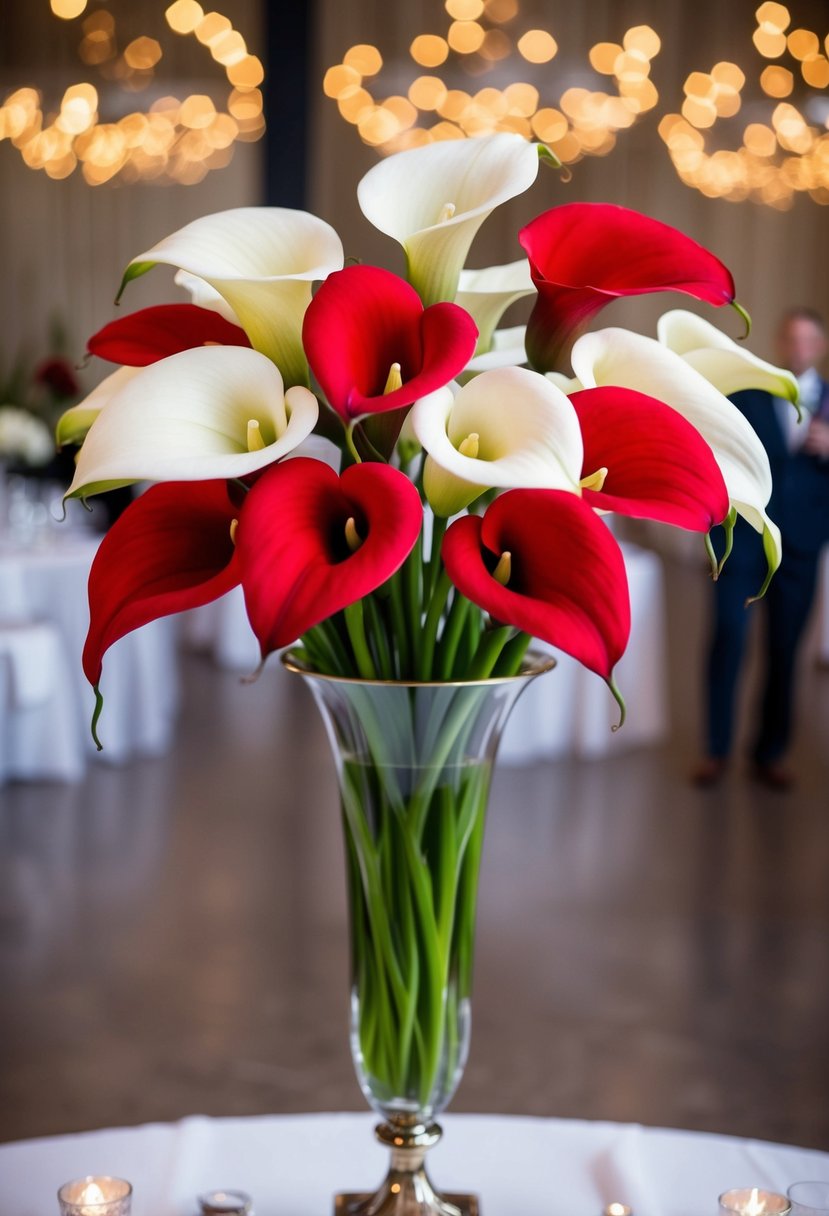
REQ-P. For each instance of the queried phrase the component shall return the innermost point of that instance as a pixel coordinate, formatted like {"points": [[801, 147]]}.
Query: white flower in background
{"points": [[262, 261], [724, 363], [74, 423], [506, 350], [507, 428], [433, 200], [619, 357], [210, 412], [487, 294], [23, 437]]}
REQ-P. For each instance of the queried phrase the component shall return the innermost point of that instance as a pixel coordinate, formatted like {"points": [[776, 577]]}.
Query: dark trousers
{"points": [[786, 609]]}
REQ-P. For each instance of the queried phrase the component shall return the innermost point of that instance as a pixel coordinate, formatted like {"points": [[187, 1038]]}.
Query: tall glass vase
{"points": [[414, 762]]}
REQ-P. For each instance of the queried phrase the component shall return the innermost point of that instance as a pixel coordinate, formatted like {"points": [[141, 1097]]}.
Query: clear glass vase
{"points": [[414, 762]]}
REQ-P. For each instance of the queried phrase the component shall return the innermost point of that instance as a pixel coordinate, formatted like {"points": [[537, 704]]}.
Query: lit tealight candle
{"points": [[225, 1203], [751, 1201], [90, 1196], [618, 1209]]}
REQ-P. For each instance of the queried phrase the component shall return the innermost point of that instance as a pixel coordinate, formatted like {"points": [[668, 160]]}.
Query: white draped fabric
{"points": [[293, 1165]]}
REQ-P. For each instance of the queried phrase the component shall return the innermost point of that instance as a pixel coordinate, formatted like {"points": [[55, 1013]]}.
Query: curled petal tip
{"points": [[96, 713], [742, 312], [254, 675], [620, 701], [548, 157]]}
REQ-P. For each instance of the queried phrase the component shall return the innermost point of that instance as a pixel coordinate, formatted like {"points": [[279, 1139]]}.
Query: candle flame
{"points": [[755, 1206], [92, 1194]]}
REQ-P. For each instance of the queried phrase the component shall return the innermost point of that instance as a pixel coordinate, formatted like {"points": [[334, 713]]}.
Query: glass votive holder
{"points": [[809, 1198], [751, 1201], [95, 1196], [225, 1203]]}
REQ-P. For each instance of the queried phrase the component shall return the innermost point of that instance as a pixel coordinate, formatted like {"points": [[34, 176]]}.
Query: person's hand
{"points": [[816, 442]]}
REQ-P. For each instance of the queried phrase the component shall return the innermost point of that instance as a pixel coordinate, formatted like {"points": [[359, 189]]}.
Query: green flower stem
{"points": [[400, 631], [430, 628], [413, 588], [451, 636], [438, 530], [511, 657], [489, 649], [355, 624], [377, 636]]}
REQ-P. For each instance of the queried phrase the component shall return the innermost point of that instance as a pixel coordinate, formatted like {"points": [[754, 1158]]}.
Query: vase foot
{"points": [[406, 1190], [384, 1203]]}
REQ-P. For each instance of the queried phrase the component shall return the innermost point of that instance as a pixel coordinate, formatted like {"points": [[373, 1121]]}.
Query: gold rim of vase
{"points": [[535, 664]]}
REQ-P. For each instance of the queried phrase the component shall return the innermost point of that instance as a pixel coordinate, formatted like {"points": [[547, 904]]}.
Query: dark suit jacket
{"points": [[800, 498]]}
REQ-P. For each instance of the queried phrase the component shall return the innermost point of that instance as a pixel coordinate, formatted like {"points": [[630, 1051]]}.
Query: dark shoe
{"points": [[709, 772], [773, 777]]}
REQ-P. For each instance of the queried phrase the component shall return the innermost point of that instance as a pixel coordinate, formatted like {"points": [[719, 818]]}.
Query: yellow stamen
{"points": [[394, 380], [352, 536], [446, 212], [255, 440], [234, 528], [503, 570], [469, 446], [595, 481]]}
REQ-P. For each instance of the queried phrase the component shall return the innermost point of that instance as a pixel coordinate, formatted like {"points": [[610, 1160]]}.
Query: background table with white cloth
{"points": [[45, 701], [293, 1165]]}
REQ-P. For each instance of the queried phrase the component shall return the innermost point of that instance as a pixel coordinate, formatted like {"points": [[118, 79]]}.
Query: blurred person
{"points": [[799, 457]]}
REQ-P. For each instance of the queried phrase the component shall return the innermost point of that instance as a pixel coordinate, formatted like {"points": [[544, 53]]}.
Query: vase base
{"points": [[357, 1203]]}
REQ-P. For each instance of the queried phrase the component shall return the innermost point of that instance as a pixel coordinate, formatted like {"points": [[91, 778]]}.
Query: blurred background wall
{"points": [[64, 243]]}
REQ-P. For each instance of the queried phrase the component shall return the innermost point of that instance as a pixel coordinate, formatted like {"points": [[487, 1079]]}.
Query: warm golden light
{"points": [[67, 9], [465, 36], [776, 81], [770, 42], [429, 51], [803, 44], [248, 73], [364, 59], [537, 46], [776, 16], [427, 92], [340, 78], [184, 16], [464, 10], [212, 27], [643, 38], [603, 57], [816, 72], [143, 53]]}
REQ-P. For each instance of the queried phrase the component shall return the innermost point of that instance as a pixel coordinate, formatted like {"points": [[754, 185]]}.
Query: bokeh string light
{"points": [[785, 154], [477, 42], [171, 140]]}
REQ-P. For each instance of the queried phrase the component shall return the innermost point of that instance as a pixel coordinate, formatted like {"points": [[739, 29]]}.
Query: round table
{"points": [[293, 1165]]}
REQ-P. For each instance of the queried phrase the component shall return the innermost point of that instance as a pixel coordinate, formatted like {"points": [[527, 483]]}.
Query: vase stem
{"points": [[406, 1190]]}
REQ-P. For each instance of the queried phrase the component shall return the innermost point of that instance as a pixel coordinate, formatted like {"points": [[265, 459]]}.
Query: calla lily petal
{"points": [[154, 333], [506, 350], [487, 294], [205, 296], [619, 357], [567, 584], [583, 255], [724, 363], [433, 200], [525, 431], [73, 424], [188, 418], [297, 566], [658, 465], [170, 550], [365, 320], [262, 261]]}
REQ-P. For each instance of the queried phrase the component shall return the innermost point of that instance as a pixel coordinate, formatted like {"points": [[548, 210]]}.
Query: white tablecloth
{"points": [[570, 711], [292, 1165], [51, 738]]}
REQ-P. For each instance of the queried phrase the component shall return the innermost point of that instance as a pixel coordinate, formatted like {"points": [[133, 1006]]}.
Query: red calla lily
{"points": [[364, 319], [659, 466], [297, 566], [583, 255], [170, 550], [567, 584], [151, 334]]}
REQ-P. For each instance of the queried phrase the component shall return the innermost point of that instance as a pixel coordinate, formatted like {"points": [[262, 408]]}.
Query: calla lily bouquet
{"points": [[299, 435]]}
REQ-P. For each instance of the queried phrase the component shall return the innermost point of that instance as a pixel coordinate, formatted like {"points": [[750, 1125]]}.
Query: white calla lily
{"points": [[506, 350], [724, 363], [506, 428], [433, 200], [567, 384], [486, 295], [629, 360], [205, 296], [211, 412], [73, 424], [262, 261]]}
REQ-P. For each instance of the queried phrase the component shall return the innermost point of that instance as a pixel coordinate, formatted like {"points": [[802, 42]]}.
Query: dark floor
{"points": [[172, 933]]}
